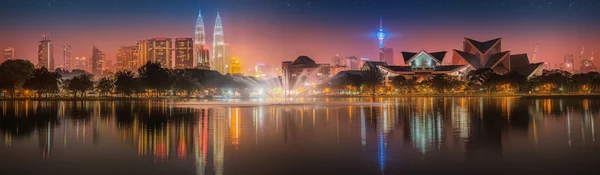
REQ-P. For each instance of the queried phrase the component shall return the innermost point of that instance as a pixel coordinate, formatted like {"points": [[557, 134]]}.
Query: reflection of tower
{"points": [[218, 128], [219, 47], [45, 140], [202, 58], [201, 143]]}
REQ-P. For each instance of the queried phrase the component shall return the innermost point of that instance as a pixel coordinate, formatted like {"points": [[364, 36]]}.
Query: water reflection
{"points": [[392, 135]]}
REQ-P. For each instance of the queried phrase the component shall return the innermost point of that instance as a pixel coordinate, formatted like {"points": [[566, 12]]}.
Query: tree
{"points": [[586, 82], [482, 78], [404, 84], [14, 73], [372, 79], [105, 85], [154, 77], [184, 82], [553, 80], [42, 81], [81, 83], [125, 83], [442, 83]]}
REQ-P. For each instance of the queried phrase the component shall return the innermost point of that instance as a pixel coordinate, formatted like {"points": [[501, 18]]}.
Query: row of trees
{"points": [[19, 76], [477, 81], [152, 79]]}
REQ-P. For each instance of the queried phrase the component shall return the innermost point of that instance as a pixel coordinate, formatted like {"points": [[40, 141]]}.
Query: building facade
{"points": [[97, 62], [305, 70], [386, 55], [46, 53], [489, 55], [67, 57], [201, 51], [8, 54], [235, 66], [421, 65], [184, 52], [219, 47], [128, 58]]}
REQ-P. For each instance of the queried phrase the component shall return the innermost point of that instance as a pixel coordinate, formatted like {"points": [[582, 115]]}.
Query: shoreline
{"points": [[314, 97]]}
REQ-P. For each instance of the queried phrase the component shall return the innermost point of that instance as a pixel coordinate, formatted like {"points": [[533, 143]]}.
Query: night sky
{"points": [[271, 31]]}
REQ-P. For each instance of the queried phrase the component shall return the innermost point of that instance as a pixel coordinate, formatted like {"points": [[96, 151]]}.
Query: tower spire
{"points": [[380, 23], [380, 33]]}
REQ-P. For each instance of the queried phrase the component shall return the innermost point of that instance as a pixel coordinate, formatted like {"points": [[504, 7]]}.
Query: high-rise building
{"points": [[219, 47], [336, 60], [159, 50], [128, 58], [569, 63], [184, 51], [46, 54], [261, 70], [386, 55], [9, 54], [97, 63], [235, 66], [80, 63], [67, 56], [351, 62], [143, 52], [201, 51]]}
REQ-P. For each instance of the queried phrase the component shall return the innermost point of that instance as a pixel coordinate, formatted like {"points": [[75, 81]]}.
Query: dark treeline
{"points": [[481, 81], [19, 78]]}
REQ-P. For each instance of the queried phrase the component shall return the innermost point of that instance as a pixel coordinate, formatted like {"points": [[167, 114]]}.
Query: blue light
{"points": [[380, 33]]}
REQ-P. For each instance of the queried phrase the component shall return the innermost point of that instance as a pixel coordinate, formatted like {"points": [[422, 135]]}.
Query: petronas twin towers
{"points": [[202, 55]]}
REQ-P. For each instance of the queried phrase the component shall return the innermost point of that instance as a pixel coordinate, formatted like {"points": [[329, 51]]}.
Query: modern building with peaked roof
{"points": [[489, 54], [307, 70], [423, 64]]}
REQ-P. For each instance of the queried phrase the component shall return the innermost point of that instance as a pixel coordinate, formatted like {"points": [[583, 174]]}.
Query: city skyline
{"points": [[271, 31]]}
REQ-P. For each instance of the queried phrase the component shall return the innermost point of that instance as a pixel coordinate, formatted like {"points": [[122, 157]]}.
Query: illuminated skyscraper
{"points": [[9, 54], [128, 58], [235, 66], [569, 63], [184, 53], [156, 50], [67, 56], [386, 55], [97, 63], [45, 54], [219, 47], [202, 57], [380, 33]]}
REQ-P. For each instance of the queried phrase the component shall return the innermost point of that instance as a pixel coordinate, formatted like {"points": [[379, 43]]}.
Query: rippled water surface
{"points": [[325, 136]]}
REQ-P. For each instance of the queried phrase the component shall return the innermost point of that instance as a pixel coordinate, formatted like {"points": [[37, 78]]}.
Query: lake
{"points": [[319, 136]]}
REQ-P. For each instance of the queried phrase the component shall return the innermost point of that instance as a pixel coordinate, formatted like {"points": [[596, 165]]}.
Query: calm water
{"points": [[387, 136]]}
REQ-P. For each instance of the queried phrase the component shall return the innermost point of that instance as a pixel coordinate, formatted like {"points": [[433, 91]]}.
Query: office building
{"points": [[184, 52], [201, 51], [97, 62], [46, 53], [219, 47], [128, 58], [235, 66], [386, 55], [9, 54], [67, 56]]}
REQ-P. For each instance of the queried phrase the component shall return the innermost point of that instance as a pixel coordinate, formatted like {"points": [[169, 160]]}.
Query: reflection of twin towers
{"points": [[202, 53]]}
